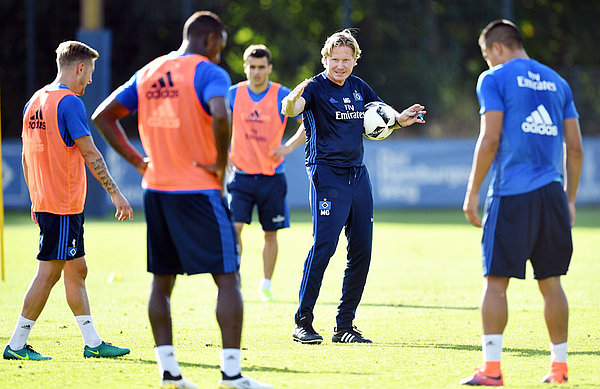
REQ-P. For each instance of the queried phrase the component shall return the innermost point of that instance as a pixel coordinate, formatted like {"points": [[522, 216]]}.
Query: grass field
{"points": [[420, 307]]}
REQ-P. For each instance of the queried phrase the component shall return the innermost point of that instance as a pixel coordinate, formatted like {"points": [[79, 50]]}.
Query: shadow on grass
{"points": [[252, 368], [522, 352], [413, 306]]}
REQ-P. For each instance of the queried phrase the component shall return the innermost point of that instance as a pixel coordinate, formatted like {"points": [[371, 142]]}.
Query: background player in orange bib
{"points": [[257, 154], [57, 144]]}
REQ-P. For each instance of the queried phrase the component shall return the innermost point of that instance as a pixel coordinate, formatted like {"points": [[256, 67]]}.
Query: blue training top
{"points": [[210, 81], [72, 117], [333, 119], [535, 100]]}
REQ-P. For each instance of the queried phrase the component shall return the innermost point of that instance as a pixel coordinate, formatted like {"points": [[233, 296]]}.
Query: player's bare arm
{"points": [[277, 153], [411, 115], [293, 104], [106, 118], [485, 151], [95, 162], [24, 163], [221, 115], [573, 161]]}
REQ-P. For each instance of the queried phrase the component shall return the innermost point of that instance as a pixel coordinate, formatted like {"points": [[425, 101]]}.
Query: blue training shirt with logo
{"points": [[333, 120], [535, 100]]}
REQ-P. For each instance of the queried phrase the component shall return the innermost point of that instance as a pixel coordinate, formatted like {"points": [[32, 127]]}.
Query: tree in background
{"points": [[404, 38]]}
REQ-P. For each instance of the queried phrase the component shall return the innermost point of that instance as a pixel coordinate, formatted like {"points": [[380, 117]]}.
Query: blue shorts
{"points": [[267, 193], [190, 233], [61, 236], [534, 226]]}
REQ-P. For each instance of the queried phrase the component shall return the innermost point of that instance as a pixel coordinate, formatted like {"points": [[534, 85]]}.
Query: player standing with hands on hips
{"points": [[257, 154], [527, 116], [57, 144], [340, 189], [184, 125]]}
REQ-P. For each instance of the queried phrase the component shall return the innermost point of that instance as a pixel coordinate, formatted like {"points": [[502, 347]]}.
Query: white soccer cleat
{"points": [[243, 383], [182, 383]]}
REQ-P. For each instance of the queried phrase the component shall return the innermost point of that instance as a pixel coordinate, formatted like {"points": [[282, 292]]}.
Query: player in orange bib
{"points": [[57, 144], [257, 154], [184, 126]]}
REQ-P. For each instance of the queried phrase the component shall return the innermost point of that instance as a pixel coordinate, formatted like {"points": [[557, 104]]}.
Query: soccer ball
{"points": [[378, 121]]}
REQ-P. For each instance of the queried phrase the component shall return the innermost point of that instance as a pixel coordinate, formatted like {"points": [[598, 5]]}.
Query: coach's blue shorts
{"points": [[61, 236], [267, 192], [535, 226], [189, 233]]}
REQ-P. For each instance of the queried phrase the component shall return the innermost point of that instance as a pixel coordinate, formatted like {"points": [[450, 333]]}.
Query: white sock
{"points": [[88, 331], [264, 284], [558, 352], [22, 330], [230, 361], [492, 347], [165, 356]]}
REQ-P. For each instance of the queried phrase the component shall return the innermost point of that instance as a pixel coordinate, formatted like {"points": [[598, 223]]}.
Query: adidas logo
{"points": [[36, 121], [278, 219], [162, 89], [539, 122], [348, 337], [26, 327], [254, 117], [86, 322]]}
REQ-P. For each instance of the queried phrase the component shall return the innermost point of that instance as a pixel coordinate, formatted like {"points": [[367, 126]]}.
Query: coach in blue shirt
{"points": [[332, 106], [527, 117]]}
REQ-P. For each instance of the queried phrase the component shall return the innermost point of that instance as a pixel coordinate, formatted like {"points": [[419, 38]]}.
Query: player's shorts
{"points": [[534, 225], [268, 193], [190, 233], [61, 236]]}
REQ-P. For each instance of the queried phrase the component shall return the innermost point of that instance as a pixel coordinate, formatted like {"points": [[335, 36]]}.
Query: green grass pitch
{"points": [[420, 307]]}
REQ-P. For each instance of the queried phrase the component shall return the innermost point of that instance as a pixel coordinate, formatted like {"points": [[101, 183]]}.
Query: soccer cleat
{"points": [[348, 335], [266, 295], [27, 353], [306, 334], [105, 350], [243, 383], [558, 374], [480, 378], [179, 382]]}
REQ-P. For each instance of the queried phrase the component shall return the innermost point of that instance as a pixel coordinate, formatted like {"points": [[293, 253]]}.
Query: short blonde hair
{"points": [[340, 38], [72, 51]]}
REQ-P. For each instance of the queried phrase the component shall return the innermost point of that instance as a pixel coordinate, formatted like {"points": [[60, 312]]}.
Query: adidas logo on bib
{"points": [[539, 122]]}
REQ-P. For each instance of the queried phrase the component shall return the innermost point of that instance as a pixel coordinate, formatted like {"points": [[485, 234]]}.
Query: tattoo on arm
{"points": [[101, 173]]}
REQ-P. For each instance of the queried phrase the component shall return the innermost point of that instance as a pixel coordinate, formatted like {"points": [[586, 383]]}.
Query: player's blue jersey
{"points": [[72, 117], [210, 81], [535, 100], [333, 120]]}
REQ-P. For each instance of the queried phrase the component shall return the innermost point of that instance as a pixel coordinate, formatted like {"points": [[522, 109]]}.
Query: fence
{"points": [[413, 173]]}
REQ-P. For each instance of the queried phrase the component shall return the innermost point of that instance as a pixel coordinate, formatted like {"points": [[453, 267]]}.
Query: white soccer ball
{"points": [[378, 121]]}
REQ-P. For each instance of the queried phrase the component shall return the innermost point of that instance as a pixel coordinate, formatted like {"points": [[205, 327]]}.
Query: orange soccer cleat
{"points": [[484, 377], [558, 374]]}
